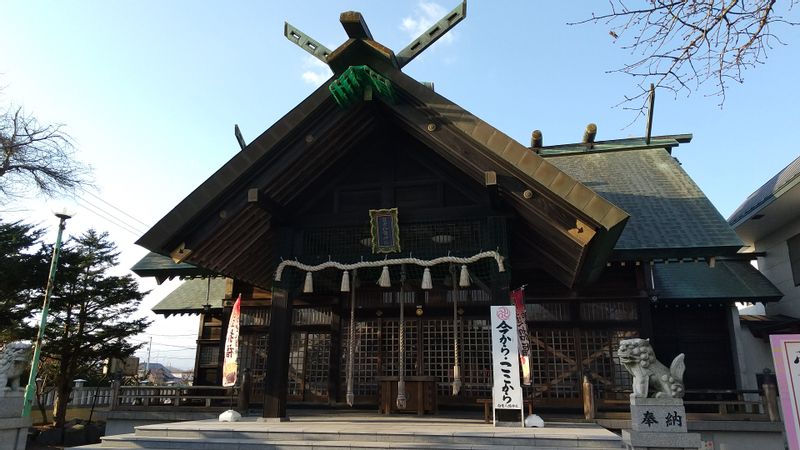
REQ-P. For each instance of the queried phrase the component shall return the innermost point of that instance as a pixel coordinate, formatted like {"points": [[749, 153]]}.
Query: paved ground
{"points": [[361, 422]]}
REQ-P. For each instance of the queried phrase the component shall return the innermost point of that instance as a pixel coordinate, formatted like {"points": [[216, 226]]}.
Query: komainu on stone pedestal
{"points": [[14, 356], [638, 358]]}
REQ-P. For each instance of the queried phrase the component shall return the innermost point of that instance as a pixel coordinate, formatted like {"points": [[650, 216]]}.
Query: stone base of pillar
{"points": [[13, 428], [273, 419], [638, 440]]}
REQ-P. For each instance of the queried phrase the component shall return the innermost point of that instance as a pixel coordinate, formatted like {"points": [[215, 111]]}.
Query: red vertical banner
{"points": [[230, 365], [518, 298]]}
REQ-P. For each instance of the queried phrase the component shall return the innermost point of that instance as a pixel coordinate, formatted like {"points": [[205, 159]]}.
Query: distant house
{"points": [[158, 374]]}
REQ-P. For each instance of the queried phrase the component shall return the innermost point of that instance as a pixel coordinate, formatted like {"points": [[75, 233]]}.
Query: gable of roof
{"points": [[670, 215], [306, 141]]}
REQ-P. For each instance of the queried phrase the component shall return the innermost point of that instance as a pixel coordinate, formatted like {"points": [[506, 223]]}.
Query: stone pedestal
{"points": [[659, 423], [13, 428]]}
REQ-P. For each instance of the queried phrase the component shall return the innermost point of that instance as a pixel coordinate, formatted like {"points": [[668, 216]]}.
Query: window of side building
{"points": [[794, 257]]}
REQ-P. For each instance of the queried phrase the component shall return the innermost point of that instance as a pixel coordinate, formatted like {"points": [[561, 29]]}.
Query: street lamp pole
{"points": [[30, 390]]}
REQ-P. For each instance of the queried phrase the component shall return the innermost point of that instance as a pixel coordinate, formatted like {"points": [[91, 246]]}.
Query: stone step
{"points": [[298, 441], [245, 444]]}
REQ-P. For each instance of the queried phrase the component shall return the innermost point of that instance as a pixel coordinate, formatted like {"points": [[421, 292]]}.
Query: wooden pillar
{"points": [[589, 407], [644, 276], [276, 382], [770, 401]]}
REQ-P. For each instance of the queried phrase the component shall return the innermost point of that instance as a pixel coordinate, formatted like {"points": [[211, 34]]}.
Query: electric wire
{"points": [[109, 218], [119, 220], [116, 208]]}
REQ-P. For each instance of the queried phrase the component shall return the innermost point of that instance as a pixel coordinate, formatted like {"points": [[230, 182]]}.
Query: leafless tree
{"points": [[680, 45], [36, 157]]}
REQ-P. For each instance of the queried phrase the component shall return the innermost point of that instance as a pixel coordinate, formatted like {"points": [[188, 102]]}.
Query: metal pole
{"points": [[30, 390], [147, 364]]}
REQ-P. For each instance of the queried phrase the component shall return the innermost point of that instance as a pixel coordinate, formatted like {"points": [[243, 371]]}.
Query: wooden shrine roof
{"points": [[221, 231]]}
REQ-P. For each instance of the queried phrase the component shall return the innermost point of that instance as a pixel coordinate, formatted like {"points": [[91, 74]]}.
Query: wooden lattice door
{"points": [[309, 362]]}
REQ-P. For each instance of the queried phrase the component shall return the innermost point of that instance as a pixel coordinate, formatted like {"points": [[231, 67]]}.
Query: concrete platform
{"points": [[348, 430]]}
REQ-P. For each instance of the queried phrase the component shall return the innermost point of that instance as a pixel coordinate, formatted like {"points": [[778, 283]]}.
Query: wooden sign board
{"points": [[384, 230], [506, 390]]}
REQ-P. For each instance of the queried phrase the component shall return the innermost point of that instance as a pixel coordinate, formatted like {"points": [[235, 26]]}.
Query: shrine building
{"points": [[370, 228]]}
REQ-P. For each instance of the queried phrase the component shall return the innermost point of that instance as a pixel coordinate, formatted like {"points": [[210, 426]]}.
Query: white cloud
{"points": [[315, 71], [425, 15]]}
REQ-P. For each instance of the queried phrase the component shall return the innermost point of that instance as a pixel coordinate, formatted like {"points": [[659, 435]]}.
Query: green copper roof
{"points": [[726, 281], [350, 87], [190, 297], [163, 268], [670, 215]]}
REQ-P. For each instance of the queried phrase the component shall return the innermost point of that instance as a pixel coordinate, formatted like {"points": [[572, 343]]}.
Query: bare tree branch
{"points": [[36, 157], [681, 45]]}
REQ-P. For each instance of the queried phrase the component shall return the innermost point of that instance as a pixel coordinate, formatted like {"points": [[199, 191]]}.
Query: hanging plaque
{"points": [[384, 230]]}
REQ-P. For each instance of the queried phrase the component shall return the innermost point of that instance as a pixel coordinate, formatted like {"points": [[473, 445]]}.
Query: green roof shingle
{"points": [[670, 215], [190, 297], [727, 281], [163, 267]]}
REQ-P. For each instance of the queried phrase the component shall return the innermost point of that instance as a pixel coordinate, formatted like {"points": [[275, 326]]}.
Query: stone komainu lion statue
{"points": [[648, 374], [14, 356]]}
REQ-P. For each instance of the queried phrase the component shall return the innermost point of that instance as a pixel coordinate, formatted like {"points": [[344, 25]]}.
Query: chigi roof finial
{"points": [[356, 28]]}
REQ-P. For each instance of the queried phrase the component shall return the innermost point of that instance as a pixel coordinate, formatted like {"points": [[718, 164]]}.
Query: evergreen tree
{"points": [[23, 276], [91, 313]]}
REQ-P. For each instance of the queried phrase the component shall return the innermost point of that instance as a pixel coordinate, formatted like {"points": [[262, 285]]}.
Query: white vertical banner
{"points": [[506, 391]]}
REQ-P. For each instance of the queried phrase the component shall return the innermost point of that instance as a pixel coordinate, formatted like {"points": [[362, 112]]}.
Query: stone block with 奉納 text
{"points": [[663, 415]]}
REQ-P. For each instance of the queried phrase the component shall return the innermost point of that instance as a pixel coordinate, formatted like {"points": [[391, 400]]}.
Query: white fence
{"points": [[83, 397]]}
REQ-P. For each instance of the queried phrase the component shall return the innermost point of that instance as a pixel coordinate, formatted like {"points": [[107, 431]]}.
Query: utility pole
{"points": [[147, 364], [30, 390]]}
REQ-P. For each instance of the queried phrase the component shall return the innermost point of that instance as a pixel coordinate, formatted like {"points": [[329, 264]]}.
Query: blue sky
{"points": [[150, 92]]}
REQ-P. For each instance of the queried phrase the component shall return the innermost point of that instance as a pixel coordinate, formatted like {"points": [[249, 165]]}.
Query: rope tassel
{"points": [[464, 279], [308, 287], [351, 344], [401, 334], [385, 280], [456, 379], [401, 394], [345, 282], [426, 279]]}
